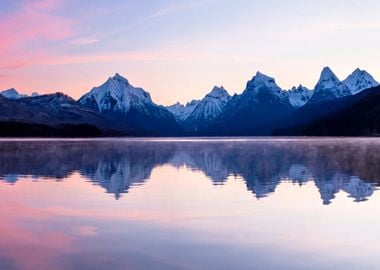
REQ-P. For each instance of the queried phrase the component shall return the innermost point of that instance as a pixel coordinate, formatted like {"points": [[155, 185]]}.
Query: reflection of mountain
{"points": [[334, 166], [113, 165], [356, 188]]}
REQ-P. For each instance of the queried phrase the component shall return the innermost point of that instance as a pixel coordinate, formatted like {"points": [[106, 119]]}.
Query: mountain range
{"points": [[117, 108]]}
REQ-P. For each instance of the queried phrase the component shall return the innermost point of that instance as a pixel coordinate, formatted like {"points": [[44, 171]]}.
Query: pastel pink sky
{"points": [[178, 50]]}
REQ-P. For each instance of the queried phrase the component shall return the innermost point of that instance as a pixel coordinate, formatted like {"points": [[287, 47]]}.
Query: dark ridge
{"points": [[357, 115], [19, 129]]}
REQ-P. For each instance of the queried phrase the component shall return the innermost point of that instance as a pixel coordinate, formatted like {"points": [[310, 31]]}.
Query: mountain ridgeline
{"points": [[116, 108]]}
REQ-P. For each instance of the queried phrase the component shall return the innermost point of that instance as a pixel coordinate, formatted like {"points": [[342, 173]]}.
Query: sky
{"points": [[178, 50]]}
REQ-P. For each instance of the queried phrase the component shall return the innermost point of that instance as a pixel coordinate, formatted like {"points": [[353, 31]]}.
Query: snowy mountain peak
{"points": [[263, 83], [329, 87], [327, 79], [219, 93], [360, 80], [116, 95], [14, 94], [10, 94], [119, 78], [180, 111], [261, 78], [208, 109], [327, 74], [299, 96]]}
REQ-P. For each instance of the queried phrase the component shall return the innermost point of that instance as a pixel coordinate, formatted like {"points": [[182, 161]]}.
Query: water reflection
{"points": [[333, 165]]}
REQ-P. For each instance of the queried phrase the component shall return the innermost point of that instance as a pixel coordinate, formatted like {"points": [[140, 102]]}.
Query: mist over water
{"points": [[229, 203]]}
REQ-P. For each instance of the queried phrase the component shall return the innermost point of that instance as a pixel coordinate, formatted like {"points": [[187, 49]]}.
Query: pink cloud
{"points": [[30, 24], [84, 41], [42, 4]]}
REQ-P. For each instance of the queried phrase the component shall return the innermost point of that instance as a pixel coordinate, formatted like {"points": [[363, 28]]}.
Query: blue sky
{"points": [[178, 50]]}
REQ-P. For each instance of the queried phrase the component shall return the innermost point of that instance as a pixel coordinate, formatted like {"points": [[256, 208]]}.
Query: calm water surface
{"points": [[190, 204]]}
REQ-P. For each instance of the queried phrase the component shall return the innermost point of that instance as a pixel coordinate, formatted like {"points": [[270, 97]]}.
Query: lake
{"points": [[228, 203]]}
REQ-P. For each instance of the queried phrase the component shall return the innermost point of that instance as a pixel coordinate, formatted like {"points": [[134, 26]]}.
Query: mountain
{"points": [[312, 111], [49, 115], [51, 109], [180, 111], [254, 111], [207, 110], [116, 95], [131, 106], [359, 80], [14, 94], [329, 87], [357, 115], [10, 94], [263, 108], [299, 96]]}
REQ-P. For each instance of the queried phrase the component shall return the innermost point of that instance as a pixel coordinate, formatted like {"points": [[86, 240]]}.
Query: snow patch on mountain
{"points": [[360, 80], [180, 111], [14, 94], [261, 81], [299, 96], [116, 95], [329, 87], [208, 109]]}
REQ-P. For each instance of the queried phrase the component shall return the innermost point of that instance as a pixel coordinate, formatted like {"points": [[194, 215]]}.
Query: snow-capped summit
{"points": [[329, 87], [119, 78], [261, 81], [208, 109], [14, 94], [253, 111], [180, 111], [11, 94], [115, 95], [360, 80], [328, 80], [218, 93], [131, 106], [299, 96]]}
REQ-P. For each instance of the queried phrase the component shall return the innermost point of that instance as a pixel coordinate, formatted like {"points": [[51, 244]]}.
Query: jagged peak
{"points": [[193, 102], [218, 92], [299, 88], [11, 94], [117, 77], [180, 105], [358, 70], [359, 80], [176, 105], [10, 90], [328, 74], [52, 95], [261, 77], [360, 73], [218, 88], [261, 80], [327, 80]]}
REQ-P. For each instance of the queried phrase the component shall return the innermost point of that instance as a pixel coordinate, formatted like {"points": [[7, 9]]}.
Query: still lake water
{"points": [[190, 204]]}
